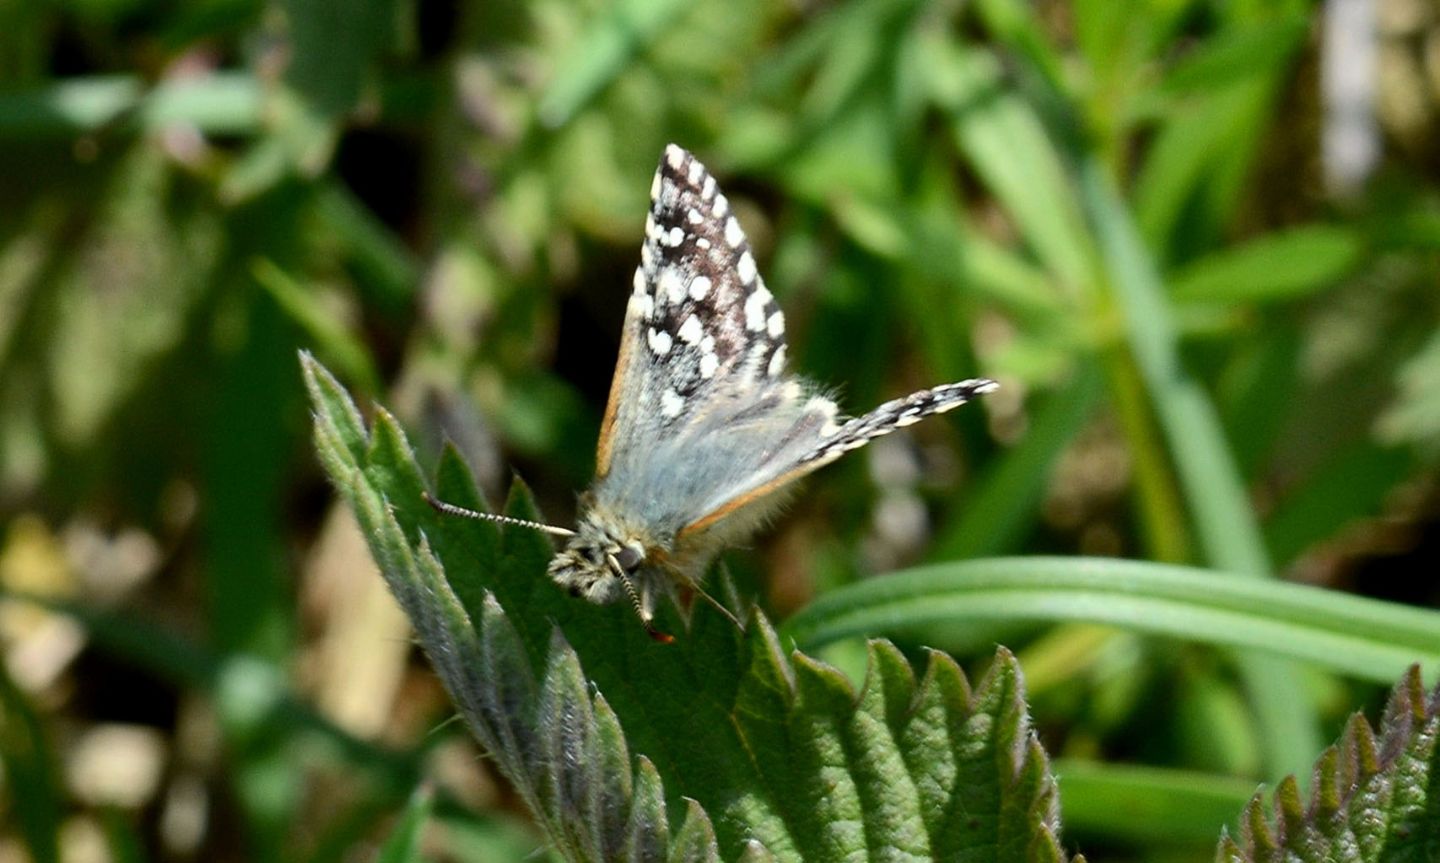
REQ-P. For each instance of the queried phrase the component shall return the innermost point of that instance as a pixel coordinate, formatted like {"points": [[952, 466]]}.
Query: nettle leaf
{"points": [[1373, 799], [723, 745]]}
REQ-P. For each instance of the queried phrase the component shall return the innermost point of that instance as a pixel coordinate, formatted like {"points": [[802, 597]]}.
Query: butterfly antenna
{"points": [[452, 509], [718, 605], [650, 630]]}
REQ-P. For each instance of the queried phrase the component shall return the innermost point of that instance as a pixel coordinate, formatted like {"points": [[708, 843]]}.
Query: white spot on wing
{"points": [[745, 267], [675, 156], [709, 363], [691, 331], [647, 257], [655, 187], [708, 190], [776, 325], [777, 362], [672, 290], [699, 287], [721, 207], [702, 243], [674, 238], [696, 170], [733, 235], [694, 216], [671, 404], [659, 342], [755, 309], [640, 306], [641, 286]]}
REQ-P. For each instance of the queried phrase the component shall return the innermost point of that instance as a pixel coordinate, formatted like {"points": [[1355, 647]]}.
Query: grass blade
{"points": [[1352, 635]]}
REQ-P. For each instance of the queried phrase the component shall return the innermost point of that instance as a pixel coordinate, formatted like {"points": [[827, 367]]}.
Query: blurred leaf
{"points": [[945, 247], [1213, 728], [1367, 638], [123, 839], [1260, 374], [606, 47], [1119, 41], [473, 837], [1007, 146], [1414, 413], [220, 103], [31, 778], [68, 106], [1200, 163], [1147, 804], [244, 471], [383, 263], [781, 749], [858, 45], [330, 336], [1016, 27], [1349, 487], [403, 843], [1224, 519], [127, 292], [259, 169], [1278, 266], [1373, 798], [1255, 50], [1007, 496], [334, 45]]}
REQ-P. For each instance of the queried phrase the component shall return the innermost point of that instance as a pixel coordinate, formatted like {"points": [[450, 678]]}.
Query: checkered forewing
{"points": [[701, 330], [702, 418]]}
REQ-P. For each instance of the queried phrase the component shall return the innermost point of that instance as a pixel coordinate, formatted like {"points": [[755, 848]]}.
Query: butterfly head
{"points": [[596, 561], [603, 562]]}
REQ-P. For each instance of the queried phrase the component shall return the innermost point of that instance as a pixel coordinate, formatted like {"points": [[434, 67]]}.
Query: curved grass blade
{"points": [[1365, 638]]}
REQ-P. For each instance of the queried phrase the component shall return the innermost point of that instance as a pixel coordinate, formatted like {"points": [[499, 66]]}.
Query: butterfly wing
{"points": [[815, 439], [702, 419], [700, 329]]}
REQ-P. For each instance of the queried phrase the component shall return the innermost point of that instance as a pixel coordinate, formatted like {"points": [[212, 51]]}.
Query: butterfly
{"points": [[704, 431]]}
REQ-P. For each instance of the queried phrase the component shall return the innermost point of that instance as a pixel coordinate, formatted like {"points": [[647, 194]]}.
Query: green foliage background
{"points": [[1212, 355]]}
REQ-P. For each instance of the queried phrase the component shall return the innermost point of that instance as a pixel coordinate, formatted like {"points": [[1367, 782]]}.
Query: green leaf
{"points": [[606, 47], [1374, 798], [719, 746], [1278, 266], [1225, 521], [1148, 804], [1199, 166], [1414, 414], [1335, 493], [1367, 638], [31, 794], [1258, 50], [220, 103], [304, 308], [147, 256], [403, 843], [1008, 148], [334, 44]]}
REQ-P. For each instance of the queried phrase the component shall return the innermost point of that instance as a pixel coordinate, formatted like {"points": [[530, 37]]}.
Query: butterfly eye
{"points": [[629, 557]]}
